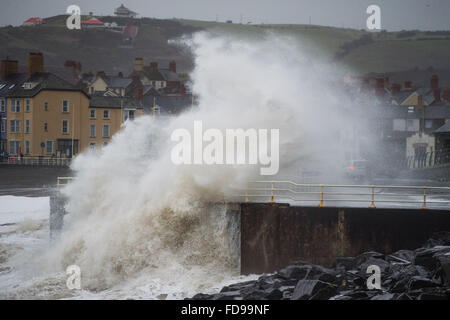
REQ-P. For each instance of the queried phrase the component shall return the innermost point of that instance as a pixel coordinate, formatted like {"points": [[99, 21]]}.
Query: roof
{"points": [[117, 82], [114, 102], [444, 129], [16, 79], [168, 104], [92, 21], [153, 74], [169, 75], [34, 20], [43, 81], [401, 96]]}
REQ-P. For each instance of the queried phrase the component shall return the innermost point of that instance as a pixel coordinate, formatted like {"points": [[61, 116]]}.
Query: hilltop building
{"points": [[93, 22], [124, 12], [33, 22]]}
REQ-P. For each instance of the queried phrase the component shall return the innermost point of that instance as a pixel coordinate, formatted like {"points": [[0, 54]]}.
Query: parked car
{"points": [[359, 170]]}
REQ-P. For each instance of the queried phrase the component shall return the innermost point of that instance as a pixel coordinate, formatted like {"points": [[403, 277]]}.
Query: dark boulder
{"points": [[384, 296], [428, 257], [316, 289], [418, 282]]}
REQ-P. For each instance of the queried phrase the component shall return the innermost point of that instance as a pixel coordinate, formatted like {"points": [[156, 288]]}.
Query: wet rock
{"points": [[238, 286], [295, 272], [401, 257], [418, 282], [385, 296], [230, 295], [307, 289], [428, 257], [366, 256], [274, 294], [384, 265], [422, 274], [444, 269], [403, 296], [201, 296]]}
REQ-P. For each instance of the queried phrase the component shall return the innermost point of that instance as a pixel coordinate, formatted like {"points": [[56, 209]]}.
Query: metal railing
{"points": [[324, 194], [37, 161], [437, 158]]}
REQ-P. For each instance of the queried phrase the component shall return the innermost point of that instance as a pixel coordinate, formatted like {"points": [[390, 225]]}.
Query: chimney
{"points": [[120, 75], [173, 66], [437, 95], [138, 64], [420, 103], [434, 82], [9, 67], [446, 95], [139, 93], [35, 63], [379, 86], [407, 85], [395, 88], [154, 66]]}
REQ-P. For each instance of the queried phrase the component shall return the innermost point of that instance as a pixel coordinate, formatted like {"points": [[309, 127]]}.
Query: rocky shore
{"points": [[421, 274]]}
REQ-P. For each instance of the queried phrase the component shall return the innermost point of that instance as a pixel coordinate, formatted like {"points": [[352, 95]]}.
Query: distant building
{"points": [[93, 23], [33, 22], [122, 11], [106, 115], [159, 78], [104, 84]]}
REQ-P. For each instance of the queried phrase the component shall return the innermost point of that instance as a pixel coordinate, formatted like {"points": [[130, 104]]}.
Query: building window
{"points": [[14, 126], [15, 106], [105, 114], [27, 147], [14, 147], [2, 105], [49, 147], [65, 126], [106, 131], [27, 126], [46, 106], [412, 125], [92, 131], [45, 127], [92, 116], [3, 125], [428, 124], [27, 105], [129, 114], [65, 106]]}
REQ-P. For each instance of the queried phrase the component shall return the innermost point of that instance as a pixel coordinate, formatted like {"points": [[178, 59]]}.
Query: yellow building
{"points": [[44, 117], [49, 117], [105, 117]]}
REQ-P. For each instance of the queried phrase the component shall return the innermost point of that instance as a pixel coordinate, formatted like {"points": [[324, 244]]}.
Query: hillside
{"points": [[96, 49], [104, 49]]}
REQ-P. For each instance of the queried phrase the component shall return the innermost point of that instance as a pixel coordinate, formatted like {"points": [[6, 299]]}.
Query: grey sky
{"points": [[395, 14]]}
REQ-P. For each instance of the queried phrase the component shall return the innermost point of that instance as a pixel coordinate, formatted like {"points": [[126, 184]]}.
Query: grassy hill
{"points": [[102, 49]]}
